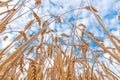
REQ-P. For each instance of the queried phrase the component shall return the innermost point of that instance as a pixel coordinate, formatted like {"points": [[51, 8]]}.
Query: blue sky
{"points": [[107, 9]]}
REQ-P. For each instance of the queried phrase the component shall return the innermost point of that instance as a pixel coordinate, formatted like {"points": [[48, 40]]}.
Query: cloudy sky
{"points": [[108, 10]]}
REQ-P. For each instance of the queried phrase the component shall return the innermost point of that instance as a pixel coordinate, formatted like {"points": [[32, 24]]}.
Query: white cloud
{"points": [[103, 6]]}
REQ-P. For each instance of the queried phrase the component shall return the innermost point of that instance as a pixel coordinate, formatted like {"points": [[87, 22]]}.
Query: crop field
{"points": [[59, 40]]}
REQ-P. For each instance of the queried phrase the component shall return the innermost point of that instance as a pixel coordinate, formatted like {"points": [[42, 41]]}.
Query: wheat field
{"points": [[47, 55]]}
